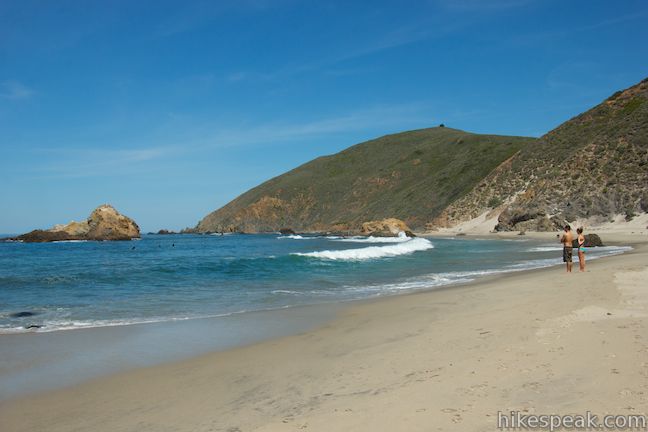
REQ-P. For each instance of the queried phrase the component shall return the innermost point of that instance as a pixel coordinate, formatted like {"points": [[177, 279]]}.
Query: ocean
{"points": [[46, 287]]}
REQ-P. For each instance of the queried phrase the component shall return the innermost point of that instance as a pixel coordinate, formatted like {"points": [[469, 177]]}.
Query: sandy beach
{"points": [[290, 216], [538, 342]]}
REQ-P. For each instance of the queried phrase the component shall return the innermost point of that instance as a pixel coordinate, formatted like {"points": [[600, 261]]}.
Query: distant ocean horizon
{"points": [[68, 285]]}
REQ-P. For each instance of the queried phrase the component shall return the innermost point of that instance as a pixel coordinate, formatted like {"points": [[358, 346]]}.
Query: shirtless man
{"points": [[567, 241]]}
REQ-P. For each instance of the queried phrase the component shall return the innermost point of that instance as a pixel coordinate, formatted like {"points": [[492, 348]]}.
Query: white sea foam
{"points": [[449, 278], [605, 250], [67, 324], [63, 324], [591, 254], [280, 291], [545, 248], [402, 237], [293, 237], [373, 252], [428, 281]]}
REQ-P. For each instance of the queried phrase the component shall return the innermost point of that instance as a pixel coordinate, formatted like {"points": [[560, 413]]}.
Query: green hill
{"points": [[412, 176], [593, 166]]}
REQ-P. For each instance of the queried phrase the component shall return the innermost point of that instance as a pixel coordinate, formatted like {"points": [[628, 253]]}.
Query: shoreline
{"points": [[625, 241], [334, 336], [278, 323], [31, 358]]}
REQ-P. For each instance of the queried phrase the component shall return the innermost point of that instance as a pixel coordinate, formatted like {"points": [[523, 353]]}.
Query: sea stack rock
{"points": [[389, 227], [104, 223]]}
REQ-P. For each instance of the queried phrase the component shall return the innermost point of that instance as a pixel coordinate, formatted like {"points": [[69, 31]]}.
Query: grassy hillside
{"points": [[412, 176], [592, 166]]}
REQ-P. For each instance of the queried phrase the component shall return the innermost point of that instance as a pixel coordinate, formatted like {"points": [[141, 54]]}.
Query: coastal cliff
{"points": [[104, 223]]}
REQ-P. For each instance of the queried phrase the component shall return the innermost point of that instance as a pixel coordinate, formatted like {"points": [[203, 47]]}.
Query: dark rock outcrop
{"points": [[591, 240], [104, 223], [22, 314], [287, 231], [43, 236], [521, 219], [165, 232]]}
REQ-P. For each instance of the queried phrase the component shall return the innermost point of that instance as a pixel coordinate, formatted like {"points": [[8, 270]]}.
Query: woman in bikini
{"points": [[581, 249]]}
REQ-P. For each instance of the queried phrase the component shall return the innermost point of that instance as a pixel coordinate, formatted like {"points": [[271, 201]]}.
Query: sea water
{"points": [[68, 285], [165, 298]]}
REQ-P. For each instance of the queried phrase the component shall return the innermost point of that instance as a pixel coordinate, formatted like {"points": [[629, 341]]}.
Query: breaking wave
{"points": [[372, 252], [400, 239]]}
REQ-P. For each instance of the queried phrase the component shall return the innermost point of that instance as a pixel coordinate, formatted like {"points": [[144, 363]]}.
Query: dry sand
{"points": [[538, 341]]}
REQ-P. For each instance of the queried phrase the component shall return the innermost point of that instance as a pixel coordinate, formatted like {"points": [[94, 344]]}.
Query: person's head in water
{"points": [[580, 230], [567, 228]]}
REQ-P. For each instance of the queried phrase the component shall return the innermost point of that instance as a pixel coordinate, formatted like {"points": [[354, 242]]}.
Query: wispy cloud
{"points": [[482, 5], [192, 137], [114, 156], [568, 76], [397, 37], [194, 15], [547, 36], [71, 162], [369, 118], [15, 90], [610, 22]]}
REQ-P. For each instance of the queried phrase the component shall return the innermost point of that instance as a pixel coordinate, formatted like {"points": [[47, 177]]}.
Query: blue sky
{"points": [[168, 110]]}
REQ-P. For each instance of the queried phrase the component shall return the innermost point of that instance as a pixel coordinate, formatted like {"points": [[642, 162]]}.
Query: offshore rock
{"points": [[104, 223]]}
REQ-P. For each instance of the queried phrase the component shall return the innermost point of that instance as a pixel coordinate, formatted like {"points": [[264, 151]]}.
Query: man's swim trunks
{"points": [[567, 254]]}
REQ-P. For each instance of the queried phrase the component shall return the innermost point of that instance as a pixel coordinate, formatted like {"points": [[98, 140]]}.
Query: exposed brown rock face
{"points": [[389, 227], [105, 223], [267, 214]]}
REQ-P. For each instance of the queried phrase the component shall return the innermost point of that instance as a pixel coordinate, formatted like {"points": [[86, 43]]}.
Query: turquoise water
{"points": [[67, 285]]}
